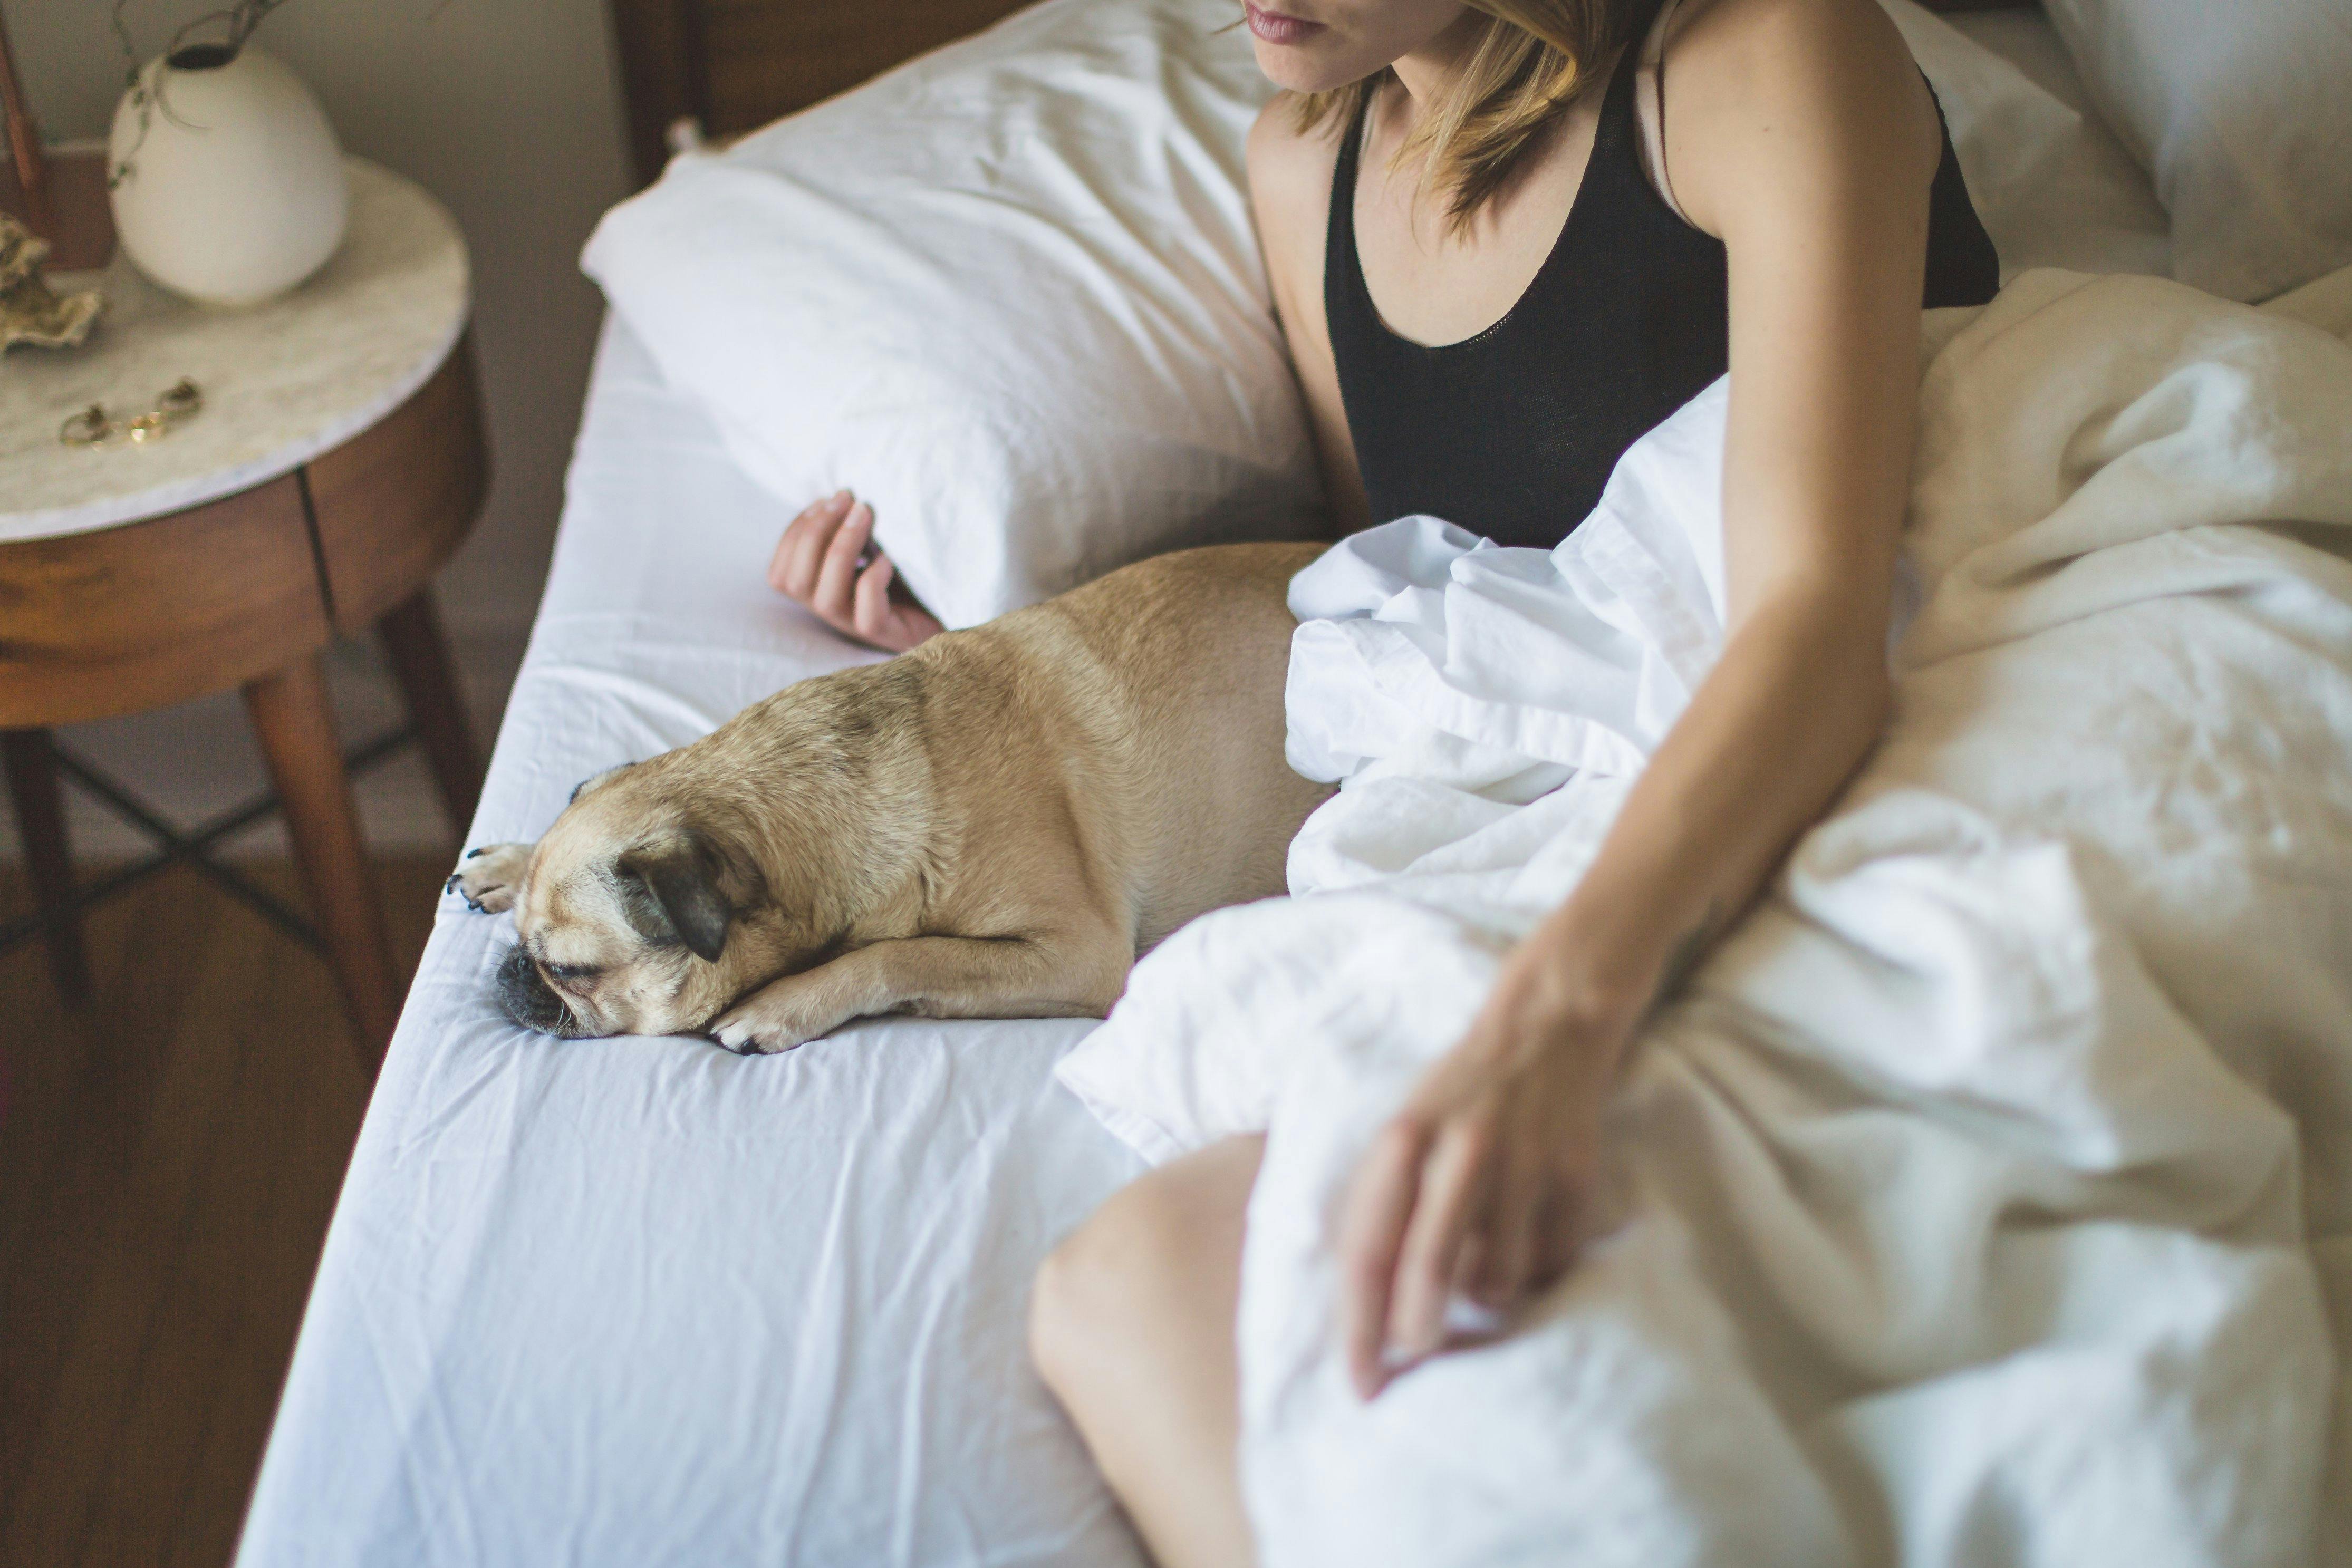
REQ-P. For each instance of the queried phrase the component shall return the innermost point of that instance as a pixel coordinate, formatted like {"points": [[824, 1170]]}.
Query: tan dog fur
{"points": [[994, 825]]}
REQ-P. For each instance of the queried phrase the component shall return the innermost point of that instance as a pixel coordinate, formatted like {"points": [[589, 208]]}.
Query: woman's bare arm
{"points": [[1799, 132]]}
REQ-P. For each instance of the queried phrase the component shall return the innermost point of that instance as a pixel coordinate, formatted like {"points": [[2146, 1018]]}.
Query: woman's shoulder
{"points": [[1760, 93], [1718, 35]]}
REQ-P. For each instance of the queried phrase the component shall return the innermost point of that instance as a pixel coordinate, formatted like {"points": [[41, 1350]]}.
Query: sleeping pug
{"points": [[994, 825]]}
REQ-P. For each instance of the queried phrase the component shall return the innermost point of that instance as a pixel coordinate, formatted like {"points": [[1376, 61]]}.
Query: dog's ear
{"points": [[593, 780], [687, 889]]}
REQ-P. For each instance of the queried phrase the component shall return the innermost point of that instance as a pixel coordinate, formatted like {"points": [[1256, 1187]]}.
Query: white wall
{"points": [[508, 111]]}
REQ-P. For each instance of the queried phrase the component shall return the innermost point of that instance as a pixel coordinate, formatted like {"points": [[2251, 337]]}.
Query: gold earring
{"points": [[181, 401], [91, 427]]}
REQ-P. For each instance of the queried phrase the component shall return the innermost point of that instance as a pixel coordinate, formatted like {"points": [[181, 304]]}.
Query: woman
{"points": [[1504, 243]]}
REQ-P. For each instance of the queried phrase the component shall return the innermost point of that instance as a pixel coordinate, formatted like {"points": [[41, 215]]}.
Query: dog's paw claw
{"points": [[739, 1042], [748, 1037], [753, 1048]]}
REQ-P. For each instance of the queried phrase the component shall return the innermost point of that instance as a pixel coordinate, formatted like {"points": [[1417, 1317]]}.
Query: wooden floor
{"points": [[168, 1162]]}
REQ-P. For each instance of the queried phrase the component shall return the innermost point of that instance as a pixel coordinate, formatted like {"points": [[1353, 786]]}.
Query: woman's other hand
{"points": [[1488, 1180], [817, 562]]}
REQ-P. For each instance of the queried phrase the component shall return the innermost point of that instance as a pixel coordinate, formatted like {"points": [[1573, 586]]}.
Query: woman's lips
{"points": [[1276, 29]]}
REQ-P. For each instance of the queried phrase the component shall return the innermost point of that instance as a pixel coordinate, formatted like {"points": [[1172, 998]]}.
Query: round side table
{"points": [[337, 461]]}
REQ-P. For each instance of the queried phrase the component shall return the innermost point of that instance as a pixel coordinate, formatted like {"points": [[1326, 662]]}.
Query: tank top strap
{"points": [[1616, 163], [1619, 103], [1343, 270]]}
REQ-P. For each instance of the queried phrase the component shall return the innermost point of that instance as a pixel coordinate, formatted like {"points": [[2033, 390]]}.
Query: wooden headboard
{"points": [[734, 65]]}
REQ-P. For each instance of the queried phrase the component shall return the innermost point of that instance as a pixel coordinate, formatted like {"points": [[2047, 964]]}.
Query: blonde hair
{"points": [[1531, 60]]}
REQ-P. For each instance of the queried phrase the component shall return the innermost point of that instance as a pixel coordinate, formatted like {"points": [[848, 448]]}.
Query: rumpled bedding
{"points": [[1987, 1196]]}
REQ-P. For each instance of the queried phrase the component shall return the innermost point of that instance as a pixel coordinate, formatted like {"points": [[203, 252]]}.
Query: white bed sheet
{"points": [[640, 1302]]}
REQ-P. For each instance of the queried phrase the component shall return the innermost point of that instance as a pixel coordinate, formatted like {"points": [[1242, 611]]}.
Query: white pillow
{"points": [[2053, 186], [1008, 292], [2242, 110]]}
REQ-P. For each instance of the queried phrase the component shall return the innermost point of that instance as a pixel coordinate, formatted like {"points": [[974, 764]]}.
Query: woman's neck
{"points": [[1425, 73]]}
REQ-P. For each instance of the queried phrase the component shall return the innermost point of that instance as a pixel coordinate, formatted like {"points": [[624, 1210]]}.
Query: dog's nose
{"points": [[529, 1000]]}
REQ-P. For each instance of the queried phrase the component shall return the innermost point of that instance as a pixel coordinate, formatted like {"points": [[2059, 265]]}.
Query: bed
{"points": [[636, 1301], [630, 1302]]}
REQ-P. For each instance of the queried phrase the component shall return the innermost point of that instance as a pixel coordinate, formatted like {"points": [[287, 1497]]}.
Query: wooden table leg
{"points": [[41, 824], [296, 729], [420, 659]]}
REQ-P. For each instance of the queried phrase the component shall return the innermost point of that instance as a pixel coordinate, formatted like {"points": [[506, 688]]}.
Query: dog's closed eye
{"points": [[573, 971]]}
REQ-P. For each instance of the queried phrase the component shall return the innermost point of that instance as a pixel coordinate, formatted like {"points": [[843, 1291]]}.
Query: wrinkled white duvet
{"points": [[1989, 1196]]}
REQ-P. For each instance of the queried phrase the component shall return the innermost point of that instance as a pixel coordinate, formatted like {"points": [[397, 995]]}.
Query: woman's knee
{"points": [[1161, 1250], [1092, 1283]]}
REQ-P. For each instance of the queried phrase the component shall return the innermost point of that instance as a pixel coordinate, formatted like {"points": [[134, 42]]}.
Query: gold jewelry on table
{"points": [[180, 399], [91, 427], [94, 427]]}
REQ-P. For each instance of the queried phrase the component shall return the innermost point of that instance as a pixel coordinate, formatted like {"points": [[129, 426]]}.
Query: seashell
{"points": [[30, 311]]}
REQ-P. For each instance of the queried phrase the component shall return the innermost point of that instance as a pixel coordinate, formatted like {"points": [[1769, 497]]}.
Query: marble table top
{"points": [[282, 381]]}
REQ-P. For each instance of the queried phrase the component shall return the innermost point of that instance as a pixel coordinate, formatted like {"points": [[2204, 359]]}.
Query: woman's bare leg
{"points": [[1132, 1327]]}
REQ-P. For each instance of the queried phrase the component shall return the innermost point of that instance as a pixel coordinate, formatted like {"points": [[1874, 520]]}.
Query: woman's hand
{"points": [[817, 562], [1489, 1179]]}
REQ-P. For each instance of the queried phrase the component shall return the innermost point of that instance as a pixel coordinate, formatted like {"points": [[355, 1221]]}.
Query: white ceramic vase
{"points": [[226, 180]]}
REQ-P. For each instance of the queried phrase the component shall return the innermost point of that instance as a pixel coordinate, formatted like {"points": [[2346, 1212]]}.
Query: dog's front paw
{"points": [[780, 1018], [745, 1035], [488, 877]]}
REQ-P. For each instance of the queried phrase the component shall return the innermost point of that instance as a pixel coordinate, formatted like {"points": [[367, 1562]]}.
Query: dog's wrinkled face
{"points": [[627, 919]]}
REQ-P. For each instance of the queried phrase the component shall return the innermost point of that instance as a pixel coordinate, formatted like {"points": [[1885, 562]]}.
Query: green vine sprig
{"points": [[235, 23]]}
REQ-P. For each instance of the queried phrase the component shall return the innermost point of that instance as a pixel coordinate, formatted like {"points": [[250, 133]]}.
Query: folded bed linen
{"points": [[639, 1302], [1988, 1199]]}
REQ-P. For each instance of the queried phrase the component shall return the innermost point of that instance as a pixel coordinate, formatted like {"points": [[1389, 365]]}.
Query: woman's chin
{"points": [[1299, 67]]}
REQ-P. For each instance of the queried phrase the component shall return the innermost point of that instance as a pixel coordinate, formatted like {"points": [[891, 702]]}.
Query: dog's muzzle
{"points": [[531, 1001]]}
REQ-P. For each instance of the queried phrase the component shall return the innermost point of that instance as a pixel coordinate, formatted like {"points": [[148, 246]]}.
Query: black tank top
{"points": [[1512, 432]]}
